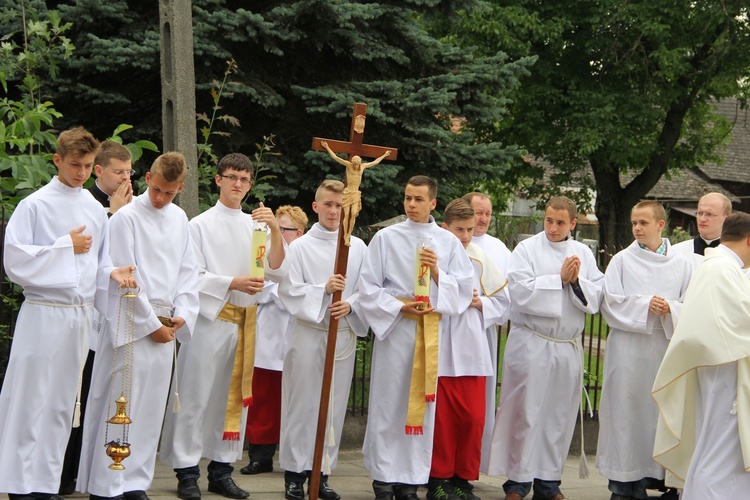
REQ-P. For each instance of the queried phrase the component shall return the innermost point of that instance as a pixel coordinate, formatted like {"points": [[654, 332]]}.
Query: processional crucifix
{"points": [[354, 149]]}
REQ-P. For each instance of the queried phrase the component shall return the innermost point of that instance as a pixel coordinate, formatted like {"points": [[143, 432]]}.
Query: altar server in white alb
{"points": [[464, 365], [307, 294], [644, 287], [398, 440], [153, 233], [713, 208], [56, 249], [554, 283], [496, 250], [216, 368], [275, 326], [701, 389]]}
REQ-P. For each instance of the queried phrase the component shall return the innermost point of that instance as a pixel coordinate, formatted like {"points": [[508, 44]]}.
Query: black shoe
{"points": [[187, 489], [615, 496], [227, 487], [463, 489], [442, 490], [294, 490], [670, 494], [385, 495], [135, 495], [325, 492], [257, 468], [96, 497], [408, 496]]}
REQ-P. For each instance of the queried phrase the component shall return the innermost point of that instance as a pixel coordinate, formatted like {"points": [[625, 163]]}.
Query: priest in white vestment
{"points": [[307, 294], [701, 389], [713, 209], [214, 406], [398, 462], [463, 367], [554, 282], [644, 287], [500, 255], [56, 248], [275, 326], [153, 233]]}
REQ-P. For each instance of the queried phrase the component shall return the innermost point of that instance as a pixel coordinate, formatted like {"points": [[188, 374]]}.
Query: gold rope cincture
{"points": [[347, 351], [119, 449], [423, 384], [241, 382], [84, 348], [583, 466]]}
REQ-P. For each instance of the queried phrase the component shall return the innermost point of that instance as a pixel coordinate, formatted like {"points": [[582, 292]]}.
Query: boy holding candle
{"points": [[215, 370], [465, 362], [399, 436], [307, 294]]}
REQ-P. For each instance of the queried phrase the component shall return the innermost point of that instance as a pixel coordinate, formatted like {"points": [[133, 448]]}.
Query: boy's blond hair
{"points": [[170, 166], [656, 208], [331, 185], [458, 209], [295, 214], [563, 203]]}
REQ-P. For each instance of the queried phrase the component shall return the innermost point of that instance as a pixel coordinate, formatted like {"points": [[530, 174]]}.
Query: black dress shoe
{"points": [[294, 490], [96, 497], [408, 496], [135, 495], [227, 487], [257, 468], [187, 489], [325, 492], [67, 487]]}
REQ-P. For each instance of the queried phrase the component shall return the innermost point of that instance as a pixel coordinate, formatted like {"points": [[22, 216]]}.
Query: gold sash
{"points": [[424, 370], [241, 384]]}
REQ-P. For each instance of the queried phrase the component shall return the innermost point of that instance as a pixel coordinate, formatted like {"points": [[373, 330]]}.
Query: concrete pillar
{"points": [[178, 92]]}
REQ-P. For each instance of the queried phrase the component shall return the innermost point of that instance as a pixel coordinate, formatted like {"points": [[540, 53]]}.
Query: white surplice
{"points": [[541, 391], [701, 388], [274, 332], [222, 238], [388, 274], [158, 242], [311, 264], [50, 340], [499, 253], [635, 348], [687, 249]]}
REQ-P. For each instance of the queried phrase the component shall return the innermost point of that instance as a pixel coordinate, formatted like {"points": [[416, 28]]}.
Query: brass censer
{"points": [[119, 449]]}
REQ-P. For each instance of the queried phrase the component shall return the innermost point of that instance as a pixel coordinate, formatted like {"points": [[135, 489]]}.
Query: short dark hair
{"points": [[235, 161], [109, 150], [458, 209], [76, 140], [736, 227], [423, 180], [563, 203]]}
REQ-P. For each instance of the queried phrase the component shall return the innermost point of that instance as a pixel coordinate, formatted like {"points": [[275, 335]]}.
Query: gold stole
{"points": [[424, 370], [241, 384]]}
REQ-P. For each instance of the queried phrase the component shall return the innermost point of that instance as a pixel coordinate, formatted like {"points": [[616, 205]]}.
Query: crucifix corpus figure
{"points": [[352, 203]]}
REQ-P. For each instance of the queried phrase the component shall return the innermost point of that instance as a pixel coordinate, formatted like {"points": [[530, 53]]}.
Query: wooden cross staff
{"points": [[353, 148]]}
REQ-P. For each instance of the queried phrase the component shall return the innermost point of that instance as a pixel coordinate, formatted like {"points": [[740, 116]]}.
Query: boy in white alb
{"points": [[500, 255], [643, 291], [307, 294], [463, 366], [152, 233], [215, 366], [56, 249], [398, 439], [554, 283]]}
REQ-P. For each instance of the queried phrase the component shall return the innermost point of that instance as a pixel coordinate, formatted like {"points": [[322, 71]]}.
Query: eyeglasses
{"points": [[129, 173], [707, 215], [282, 228], [233, 178]]}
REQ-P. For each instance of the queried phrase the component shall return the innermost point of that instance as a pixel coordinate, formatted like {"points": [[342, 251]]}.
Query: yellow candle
{"points": [[422, 277], [258, 254]]}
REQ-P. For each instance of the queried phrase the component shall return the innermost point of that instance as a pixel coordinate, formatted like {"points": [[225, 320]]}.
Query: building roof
{"points": [[736, 167]]}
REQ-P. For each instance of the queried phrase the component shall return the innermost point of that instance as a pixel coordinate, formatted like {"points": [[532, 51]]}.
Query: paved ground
{"points": [[352, 482]]}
